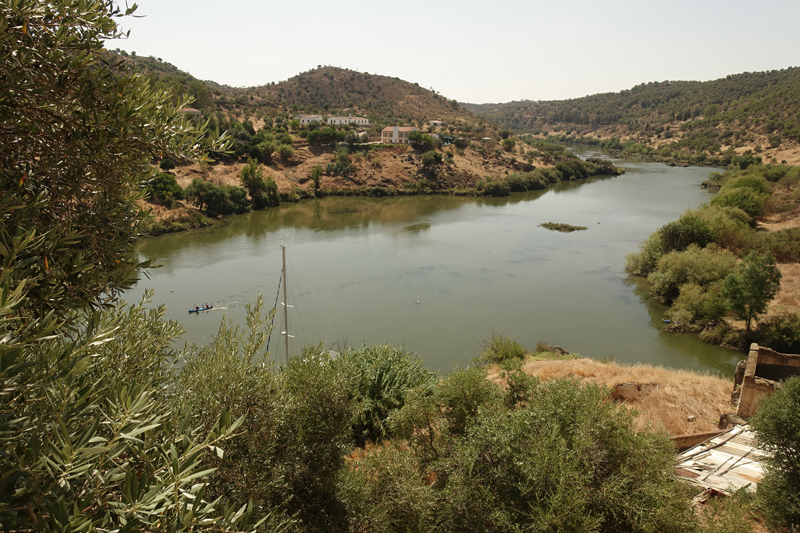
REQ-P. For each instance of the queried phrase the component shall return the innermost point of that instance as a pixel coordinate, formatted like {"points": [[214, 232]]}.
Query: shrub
{"points": [[698, 303], [746, 199], [166, 164], [751, 286], [508, 144], [461, 143], [498, 187], [730, 225], [700, 266], [385, 492], [784, 244], [777, 425], [499, 349], [566, 459], [286, 152], [431, 158], [780, 332], [382, 376], [646, 259], [218, 199], [165, 187], [752, 181], [687, 230]]}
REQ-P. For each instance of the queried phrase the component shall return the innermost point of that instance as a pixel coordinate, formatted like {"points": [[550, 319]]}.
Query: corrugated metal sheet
{"points": [[728, 462]]}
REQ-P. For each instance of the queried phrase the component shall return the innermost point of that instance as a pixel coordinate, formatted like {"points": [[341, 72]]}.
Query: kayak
{"points": [[200, 309]]}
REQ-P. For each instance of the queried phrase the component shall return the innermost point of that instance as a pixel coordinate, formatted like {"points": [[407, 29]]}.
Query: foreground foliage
{"points": [[777, 423], [557, 458]]}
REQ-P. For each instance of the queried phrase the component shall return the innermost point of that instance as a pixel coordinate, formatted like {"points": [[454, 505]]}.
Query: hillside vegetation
{"points": [[755, 111], [325, 90]]}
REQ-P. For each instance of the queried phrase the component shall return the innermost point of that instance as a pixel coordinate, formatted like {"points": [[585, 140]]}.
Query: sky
{"points": [[471, 51]]}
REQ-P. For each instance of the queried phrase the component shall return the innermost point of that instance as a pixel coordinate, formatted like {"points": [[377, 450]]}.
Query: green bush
{"points": [[166, 188], [784, 244], [166, 164], [566, 459], [780, 332], [218, 199], [382, 376], [752, 181], [499, 349], [730, 226], [646, 259], [499, 187], [698, 303], [385, 492], [777, 425], [751, 286], [700, 266], [687, 230], [431, 157], [748, 200], [286, 152]]}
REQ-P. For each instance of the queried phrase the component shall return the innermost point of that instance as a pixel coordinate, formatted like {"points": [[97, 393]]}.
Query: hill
{"points": [[334, 90], [756, 111], [325, 90]]}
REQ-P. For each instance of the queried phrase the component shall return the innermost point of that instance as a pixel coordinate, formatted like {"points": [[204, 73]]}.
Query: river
{"points": [[438, 274]]}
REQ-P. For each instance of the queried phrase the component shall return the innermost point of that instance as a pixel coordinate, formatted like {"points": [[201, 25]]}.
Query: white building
{"points": [[436, 123], [195, 115], [349, 119], [305, 120], [396, 134]]}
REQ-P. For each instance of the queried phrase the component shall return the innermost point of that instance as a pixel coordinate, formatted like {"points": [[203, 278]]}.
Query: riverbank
{"points": [[703, 265], [379, 171]]}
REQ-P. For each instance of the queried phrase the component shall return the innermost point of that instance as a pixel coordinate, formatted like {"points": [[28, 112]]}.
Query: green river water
{"points": [[439, 274]]}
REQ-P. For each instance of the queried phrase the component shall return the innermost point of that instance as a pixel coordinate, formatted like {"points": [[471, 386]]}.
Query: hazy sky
{"points": [[472, 51]]}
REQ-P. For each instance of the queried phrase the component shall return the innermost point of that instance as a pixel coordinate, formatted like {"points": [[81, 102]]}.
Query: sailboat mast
{"points": [[285, 306]]}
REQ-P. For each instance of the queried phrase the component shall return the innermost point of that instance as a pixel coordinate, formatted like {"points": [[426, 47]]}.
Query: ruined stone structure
{"points": [[759, 375]]}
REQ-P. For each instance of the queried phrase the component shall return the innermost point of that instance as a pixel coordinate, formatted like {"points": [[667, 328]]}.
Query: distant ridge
{"points": [[759, 102]]}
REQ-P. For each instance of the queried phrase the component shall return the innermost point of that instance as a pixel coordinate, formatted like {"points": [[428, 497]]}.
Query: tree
{"points": [[315, 174], [76, 130], [166, 188], [86, 440], [252, 178], [751, 286]]}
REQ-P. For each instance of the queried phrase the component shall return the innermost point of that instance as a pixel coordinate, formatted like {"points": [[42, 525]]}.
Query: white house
{"points": [[396, 134], [436, 123], [305, 120], [195, 115], [349, 119]]}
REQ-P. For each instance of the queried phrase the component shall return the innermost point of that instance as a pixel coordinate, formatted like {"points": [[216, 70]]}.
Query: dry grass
{"points": [[679, 393]]}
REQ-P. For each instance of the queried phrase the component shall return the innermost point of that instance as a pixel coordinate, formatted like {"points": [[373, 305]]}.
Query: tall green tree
{"points": [[750, 287], [76, 130], [86, 440]]}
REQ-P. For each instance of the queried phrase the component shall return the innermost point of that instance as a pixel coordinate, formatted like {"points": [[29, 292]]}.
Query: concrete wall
{"points": [[763, 372]]}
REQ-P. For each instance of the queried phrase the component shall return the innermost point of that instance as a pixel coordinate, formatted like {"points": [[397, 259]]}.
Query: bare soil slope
{"points": [[676, 395], [393, 166]]}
